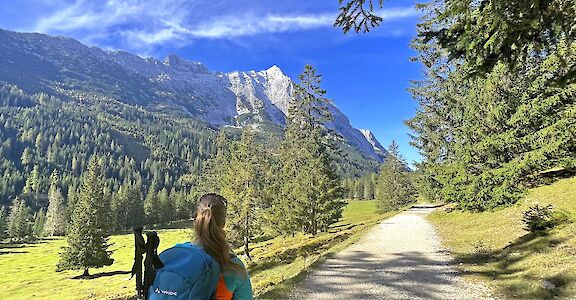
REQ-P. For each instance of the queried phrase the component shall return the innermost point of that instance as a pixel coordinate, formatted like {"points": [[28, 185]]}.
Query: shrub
{"points": [[540, 218]]}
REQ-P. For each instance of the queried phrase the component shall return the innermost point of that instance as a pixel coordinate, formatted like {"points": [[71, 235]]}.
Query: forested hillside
{"points": [[41, 134]]}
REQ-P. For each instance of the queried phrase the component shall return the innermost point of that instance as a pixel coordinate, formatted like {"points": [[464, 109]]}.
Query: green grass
{"points": [[28, 270], [493, 247]]}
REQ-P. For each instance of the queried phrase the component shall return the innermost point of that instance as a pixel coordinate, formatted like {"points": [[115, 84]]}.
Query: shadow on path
{"points": [[410, 274]]}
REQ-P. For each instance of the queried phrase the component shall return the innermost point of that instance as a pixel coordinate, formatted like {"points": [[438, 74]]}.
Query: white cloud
{"points": [[236, 26], [142, 23]]}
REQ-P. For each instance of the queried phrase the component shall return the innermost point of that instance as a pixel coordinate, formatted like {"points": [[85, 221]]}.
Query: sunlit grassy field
{"points": [[28, 270], [494, 248]]}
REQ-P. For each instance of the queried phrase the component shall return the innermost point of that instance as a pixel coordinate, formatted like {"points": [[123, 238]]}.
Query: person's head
{"points": [[209, 228]]}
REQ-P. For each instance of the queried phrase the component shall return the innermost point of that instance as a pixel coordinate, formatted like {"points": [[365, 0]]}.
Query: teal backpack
{"points": [[184, 271]]}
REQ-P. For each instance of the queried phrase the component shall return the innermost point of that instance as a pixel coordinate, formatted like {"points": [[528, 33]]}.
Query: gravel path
{"points": [[401, 258]]}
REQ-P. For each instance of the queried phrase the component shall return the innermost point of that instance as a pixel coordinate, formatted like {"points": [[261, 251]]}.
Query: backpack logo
{"points": [[167, 293]]}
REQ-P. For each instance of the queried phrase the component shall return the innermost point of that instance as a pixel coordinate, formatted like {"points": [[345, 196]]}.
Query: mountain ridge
{"points": [[62, 65]]}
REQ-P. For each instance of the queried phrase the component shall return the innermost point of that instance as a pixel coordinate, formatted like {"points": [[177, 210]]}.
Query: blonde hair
{"points": [[209, 228]]}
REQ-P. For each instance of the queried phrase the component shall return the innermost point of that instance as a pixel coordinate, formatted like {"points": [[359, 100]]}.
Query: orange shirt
{"points": [[232, 286]]}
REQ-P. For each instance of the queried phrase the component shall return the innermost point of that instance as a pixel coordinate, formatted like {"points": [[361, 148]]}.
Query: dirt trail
{"points": [[401, 258]]}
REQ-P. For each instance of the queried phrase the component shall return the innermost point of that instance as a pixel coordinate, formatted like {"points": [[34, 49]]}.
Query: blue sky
{"points": [[366, 75]]}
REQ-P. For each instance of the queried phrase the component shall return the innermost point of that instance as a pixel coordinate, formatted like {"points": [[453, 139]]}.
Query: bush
{"points": [[540, 218]]}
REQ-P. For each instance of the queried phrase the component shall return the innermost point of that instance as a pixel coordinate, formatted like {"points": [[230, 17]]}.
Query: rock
{"points": [[548, 285]]}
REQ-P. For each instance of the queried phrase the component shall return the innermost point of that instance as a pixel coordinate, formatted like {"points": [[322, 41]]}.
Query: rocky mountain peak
{"points": [[373, 141], [275, 70], [181, 64]]}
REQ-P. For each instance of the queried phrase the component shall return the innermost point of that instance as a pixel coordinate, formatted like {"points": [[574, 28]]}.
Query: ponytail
{"points": [[210, 234]]}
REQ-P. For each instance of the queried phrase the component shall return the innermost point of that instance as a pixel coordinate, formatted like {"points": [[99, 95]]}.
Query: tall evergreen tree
{"points": [[244, 188], [359, 188], [19, 220], [136, 216], [128, 207], [71, 199], [368, 188], [312, 192], [394, 186], [36, 183], [26, 158], [490, 121], [121, 207], [350, 188], [56, 214], [3, 223], [478, 155], [374, 179], [88, 234], [184, 205], [152, 205], [167, 207], [39, 223], [216, 167]]}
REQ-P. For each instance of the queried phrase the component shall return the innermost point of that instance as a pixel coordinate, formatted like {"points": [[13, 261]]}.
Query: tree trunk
{"points": [[86, 274], [247, 249], [247, 238], [314, 225]]}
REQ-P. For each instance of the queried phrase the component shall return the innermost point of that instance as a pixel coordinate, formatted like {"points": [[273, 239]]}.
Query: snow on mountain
{"points": [[267, 94], [373, 141], [264, 95], [43, 63]]}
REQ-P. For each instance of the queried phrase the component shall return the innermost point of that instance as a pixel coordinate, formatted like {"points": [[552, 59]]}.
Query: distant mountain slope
{"points": [[68, 68]]}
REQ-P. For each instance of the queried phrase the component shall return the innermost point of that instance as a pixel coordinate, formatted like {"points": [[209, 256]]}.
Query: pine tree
{"points": [[183, 205], [311, 191], [121, 207], [36, 182], [3, 223], [349, 183], [285, 206], [477, 33], [136, 216], [167, 208], [128, 207], [359, 189], [216, 167], [374, 180], [88, 235], [244, 189], [329, 203], [368, 188], [152, 205], [56, 214], [39, 223], [71, 200], [19, 220], [394, 186], [487, 127], [26, 159]]}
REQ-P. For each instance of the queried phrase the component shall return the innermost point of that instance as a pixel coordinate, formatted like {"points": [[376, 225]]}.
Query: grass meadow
{"points": [[493, 247], [28, 270]]}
